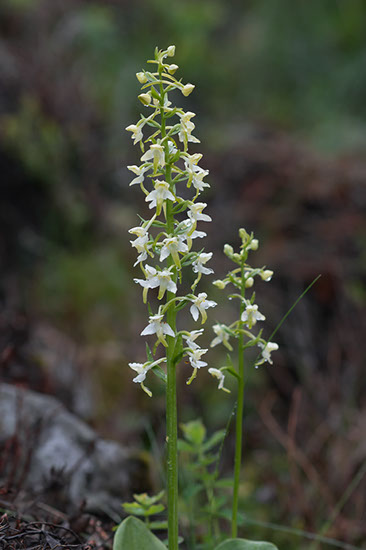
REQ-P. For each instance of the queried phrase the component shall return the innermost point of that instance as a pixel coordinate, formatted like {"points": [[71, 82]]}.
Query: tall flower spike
{"points": [[166, 167]]}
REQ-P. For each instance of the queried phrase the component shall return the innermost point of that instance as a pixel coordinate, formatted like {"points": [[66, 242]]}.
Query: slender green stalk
{"points": [[239, 419]]}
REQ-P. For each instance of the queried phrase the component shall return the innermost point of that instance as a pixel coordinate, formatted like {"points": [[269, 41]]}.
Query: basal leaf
{"points": [[133, 534], [243, 544]]}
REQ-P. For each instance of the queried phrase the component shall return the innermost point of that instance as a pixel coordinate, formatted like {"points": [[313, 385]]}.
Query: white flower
{"points": [[186, 127], [222, 337], [156, 154], [141, 243], [142, 369], [266, 275], [136, 132], [198, 264], [189, 231], [172, 246], [139, 171], [191, 337], [199, 306], [195, 355], [160, 194], [197, 178], [220, 376], [190, 161], [154, 279], [251, 315], [156, 326], [267, 350], [195, 213]]}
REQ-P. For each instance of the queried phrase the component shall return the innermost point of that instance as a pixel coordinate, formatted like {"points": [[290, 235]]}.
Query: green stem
{"points": [[171, 391], [239, 420]]}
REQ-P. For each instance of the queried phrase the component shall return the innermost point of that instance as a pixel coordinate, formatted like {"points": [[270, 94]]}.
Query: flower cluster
{"points": [[166, 239], [242, 278]]}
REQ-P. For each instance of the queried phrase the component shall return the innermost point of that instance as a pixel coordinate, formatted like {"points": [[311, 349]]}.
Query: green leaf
{"points": [[243, 544], [132, 534], [215, 439], [194, 432]]}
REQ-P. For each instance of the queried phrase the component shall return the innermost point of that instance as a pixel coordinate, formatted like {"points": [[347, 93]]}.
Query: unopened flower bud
{"points": [[254, 244], [249, 282], [187, 89], [172, 68], [171, 51], [141, 77], [220, 284], [228, 250], [266, 275], [236, 257], [145, 99]]}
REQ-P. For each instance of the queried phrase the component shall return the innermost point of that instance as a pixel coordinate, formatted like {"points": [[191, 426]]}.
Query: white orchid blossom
{"points": [[171, 247], [139, 171], [159, 195], [217, 373], [222, 336], [156, 154], [267, 349], [251, 315], [199, 306], [190, 338], [141, 244], [154, 278], [186, 128], [194, 357], [199, 263], [195, 212], [136, 130], [158, 327], [142, 369]]}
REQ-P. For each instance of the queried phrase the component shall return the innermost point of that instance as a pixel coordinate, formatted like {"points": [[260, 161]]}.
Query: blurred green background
{"points": [[281, 114]]}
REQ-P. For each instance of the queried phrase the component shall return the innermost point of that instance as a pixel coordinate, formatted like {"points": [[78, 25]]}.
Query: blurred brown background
{"points": [[281, 114]]}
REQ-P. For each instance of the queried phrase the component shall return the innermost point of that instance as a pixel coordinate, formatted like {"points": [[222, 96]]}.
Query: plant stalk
{"points": [[239, 419], [171, 388]]}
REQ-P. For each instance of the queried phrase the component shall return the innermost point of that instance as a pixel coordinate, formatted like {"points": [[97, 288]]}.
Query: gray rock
{"points": [[52, 453]]}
